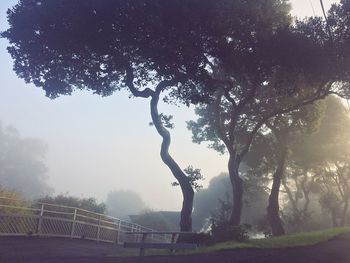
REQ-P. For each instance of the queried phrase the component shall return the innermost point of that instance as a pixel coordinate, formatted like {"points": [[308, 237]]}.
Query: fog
{"points": [[97, 145]]}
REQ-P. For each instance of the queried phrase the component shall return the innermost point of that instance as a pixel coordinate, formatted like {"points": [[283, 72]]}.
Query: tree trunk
{"points": [[273, 211], [344, 213], [334, 218], [237, 191], [186, 188]]}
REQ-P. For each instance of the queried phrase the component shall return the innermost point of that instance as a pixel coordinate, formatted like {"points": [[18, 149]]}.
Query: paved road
{"points": [[55, 250]]}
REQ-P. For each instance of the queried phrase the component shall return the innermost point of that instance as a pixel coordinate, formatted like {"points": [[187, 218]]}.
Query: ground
{"points": [[54, 250]]}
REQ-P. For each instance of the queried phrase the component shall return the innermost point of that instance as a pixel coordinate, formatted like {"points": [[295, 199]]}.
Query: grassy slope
{"points": [[300, 239]]}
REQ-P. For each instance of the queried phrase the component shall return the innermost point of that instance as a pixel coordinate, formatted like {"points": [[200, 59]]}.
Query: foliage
{"points": [[22, 164], [193, 175], [319, 161], [90, 203], [258, 80], [294, 240], [15, 199], [222, 233], [201, 239], [216, 201], [123, 203]]}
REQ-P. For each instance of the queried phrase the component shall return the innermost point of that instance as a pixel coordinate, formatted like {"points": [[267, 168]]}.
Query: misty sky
{"points": [[101, 144]]}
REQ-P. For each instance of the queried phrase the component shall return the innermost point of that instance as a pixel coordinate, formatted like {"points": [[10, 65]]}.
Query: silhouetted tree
{"points": [[146, 47], [258, 80]]}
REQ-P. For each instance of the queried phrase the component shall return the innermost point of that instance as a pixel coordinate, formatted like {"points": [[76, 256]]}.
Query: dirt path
{"points": [[54, 250]]}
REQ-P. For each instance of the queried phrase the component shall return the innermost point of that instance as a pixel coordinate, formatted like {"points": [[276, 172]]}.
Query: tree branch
{"points": [[146, 93]]}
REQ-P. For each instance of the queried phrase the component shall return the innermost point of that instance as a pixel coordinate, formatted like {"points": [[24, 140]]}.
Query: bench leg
{"points": [[142, 250], [173, 237]]}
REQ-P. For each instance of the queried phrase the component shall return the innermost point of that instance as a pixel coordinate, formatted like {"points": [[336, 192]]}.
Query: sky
{"points": [[101, 144]]}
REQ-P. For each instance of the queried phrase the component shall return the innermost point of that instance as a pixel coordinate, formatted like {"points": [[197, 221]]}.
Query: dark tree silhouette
{"points": [[258, 79], [146, 47], [176, 47]]}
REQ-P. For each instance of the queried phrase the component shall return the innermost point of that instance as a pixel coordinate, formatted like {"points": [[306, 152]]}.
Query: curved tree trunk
{"points": [[186, 188], [237, 191], [273, 211]]}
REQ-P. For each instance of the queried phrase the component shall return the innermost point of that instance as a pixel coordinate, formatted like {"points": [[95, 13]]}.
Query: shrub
{"points": [[201, 239], [226, 232], [14, 199]]}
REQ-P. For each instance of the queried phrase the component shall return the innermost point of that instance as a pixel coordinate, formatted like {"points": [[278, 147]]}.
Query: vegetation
{"points": [[153, 220], [122, 203], [22, 164], [15, 199], [250, 94], [299, 239], [89, 204]]}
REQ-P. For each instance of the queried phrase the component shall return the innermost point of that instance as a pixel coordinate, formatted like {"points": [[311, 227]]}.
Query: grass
{"points": [[294, 240]]}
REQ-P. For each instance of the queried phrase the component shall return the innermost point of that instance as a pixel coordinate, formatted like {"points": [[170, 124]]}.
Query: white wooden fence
{"points": [[51, 220]]}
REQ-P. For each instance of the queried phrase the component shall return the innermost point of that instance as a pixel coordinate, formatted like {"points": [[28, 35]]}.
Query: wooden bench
{"points": [[171, 246]]}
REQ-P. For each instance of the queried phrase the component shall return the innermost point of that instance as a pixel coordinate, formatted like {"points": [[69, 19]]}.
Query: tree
{"points": [[124, 203], [152, 219], [209, 201], [152, 47], [86, 203], [22, 164], [258, 80], [325, 155], [310, 155], [272, 149], [147, 47], [12, 201]]}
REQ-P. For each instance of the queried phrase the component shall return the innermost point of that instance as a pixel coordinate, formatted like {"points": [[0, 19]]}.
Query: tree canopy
{"points": [[22, 164]]}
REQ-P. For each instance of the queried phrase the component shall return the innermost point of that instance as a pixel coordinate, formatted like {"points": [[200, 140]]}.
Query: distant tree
{"points": [[272, 148], [22, 164], [123, 203], [308, 168], [335, 195], [152, 219], [86, 203], [218, 195]]}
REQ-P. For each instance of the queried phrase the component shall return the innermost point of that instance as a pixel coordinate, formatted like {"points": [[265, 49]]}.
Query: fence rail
{"points": [[52, 220]]}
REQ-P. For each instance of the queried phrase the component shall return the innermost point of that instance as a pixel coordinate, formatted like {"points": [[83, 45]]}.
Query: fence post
{"points": [[73, 223], [99, 228], [118, 231], [40, 222]]}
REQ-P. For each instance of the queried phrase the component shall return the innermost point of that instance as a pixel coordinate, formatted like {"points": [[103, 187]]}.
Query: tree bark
{"points": [[237, 191], [334, 218], [345, 212], [273, 210], [186, 187]]}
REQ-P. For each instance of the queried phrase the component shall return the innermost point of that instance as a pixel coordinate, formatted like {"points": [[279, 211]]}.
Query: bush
{"points": [[12, 198], [151, 219], [89, 204], [226, 232], [201, 239]]}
